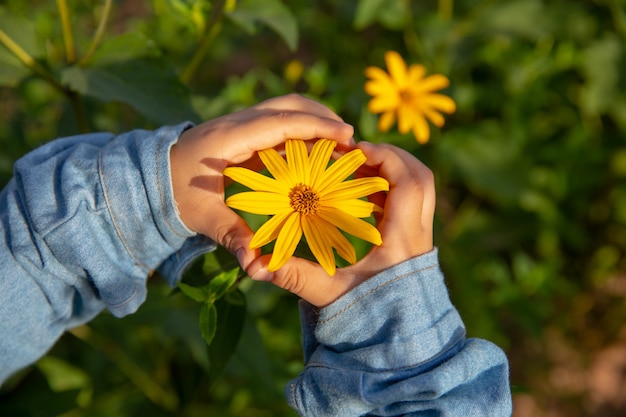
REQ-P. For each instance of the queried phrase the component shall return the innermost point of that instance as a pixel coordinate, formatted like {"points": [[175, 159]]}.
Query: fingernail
{"points": [[241, 254], [262, 274]]}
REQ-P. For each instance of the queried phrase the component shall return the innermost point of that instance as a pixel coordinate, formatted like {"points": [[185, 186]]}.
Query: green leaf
{"points": [[208, 322], [392, 14], [22, 32], [149, 85], [600, 65], [367, 12], [126, 47], [198, 294], [272, 13], [231, 318], [222, 282]]}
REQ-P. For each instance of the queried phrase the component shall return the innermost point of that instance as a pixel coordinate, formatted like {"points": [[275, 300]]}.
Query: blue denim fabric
{"points": [[395, 346], [83, 223], [86, 219]]}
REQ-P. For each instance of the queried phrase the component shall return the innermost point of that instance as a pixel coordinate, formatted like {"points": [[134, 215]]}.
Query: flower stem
{"points": [[34, 66], [411, 38], [213, 28], [67, 31], [26, 59], [445, 9], [97, 38]]}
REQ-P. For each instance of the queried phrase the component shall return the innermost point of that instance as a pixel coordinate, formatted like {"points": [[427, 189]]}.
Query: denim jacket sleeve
{"points": [[395, 346], [83, 222]]}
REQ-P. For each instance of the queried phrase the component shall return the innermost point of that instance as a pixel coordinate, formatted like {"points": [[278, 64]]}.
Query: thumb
{"points": [[304, 278], [232, 232]]}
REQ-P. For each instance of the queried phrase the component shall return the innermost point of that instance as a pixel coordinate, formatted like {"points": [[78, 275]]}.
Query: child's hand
{"points": [[202, 153], [406, 228]]}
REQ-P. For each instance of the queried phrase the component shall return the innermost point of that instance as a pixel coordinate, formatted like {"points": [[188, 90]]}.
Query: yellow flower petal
{"points": [[421, 131], [277, 166], [258, 202], [397, 68], [386, 120], [298, 160], [286, 242], [440, 103], [416, 73], [319, 157], [356, 188], [433, 82], [405, 119], [255, 181], [350, 224], [339, 242], [341, 169], [269, 230], [353, 207], [433, 116], [378, 75], [376, 87], [383, 103], [318, 242]]}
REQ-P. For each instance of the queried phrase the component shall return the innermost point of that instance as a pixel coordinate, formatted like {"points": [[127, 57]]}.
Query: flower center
{"points": [[407, 96], [303, 199]]}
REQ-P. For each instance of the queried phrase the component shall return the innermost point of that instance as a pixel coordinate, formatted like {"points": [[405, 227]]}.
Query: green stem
{"points": [[619, 17], [213, 28], [79, 111], [97, 38], [411, 38], [67, 31], [445, 9], [30, 63]]}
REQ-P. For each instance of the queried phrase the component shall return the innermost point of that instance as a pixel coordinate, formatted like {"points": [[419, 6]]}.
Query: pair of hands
{"points": [[202, 153]]}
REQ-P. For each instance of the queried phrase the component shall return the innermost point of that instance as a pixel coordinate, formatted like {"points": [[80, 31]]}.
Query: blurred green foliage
{"points": [[530, 171]]}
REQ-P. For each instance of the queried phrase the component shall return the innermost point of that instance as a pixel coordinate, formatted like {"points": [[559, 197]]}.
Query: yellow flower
{"points": [[404, 94], [307, 196]]}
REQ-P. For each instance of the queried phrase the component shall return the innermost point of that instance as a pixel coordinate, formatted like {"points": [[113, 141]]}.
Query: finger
{"points": [[276, 127], [401, 169], [231, 231], [296, 102], [304, 278], [406, 225]]}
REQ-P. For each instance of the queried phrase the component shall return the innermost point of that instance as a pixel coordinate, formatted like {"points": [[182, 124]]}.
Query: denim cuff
{"points": [[404, 312], [136, 177]]}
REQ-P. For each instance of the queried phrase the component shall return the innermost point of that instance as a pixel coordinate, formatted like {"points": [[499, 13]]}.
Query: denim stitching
{"points": [[444, 351], [117, 228], [367, 294], [165, 217]]}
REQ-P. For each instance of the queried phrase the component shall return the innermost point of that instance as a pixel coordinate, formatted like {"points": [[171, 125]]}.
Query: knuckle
{"points": [[226, 235], [292, 280]]}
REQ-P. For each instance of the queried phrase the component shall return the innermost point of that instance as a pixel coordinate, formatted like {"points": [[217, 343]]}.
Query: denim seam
{"points": [[162, 199], [378, 287], [125, 302], [444, 351], [105, 189]]}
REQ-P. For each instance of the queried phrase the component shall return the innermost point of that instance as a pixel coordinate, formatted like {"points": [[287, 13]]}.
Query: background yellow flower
{"points": [[405, 95]]}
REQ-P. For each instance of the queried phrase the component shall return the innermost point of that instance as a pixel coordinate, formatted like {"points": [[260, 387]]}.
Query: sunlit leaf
{"points": [[208, 322], [22, 31], [221, 283], [148, 85], [198, 294], [273, 13]]}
